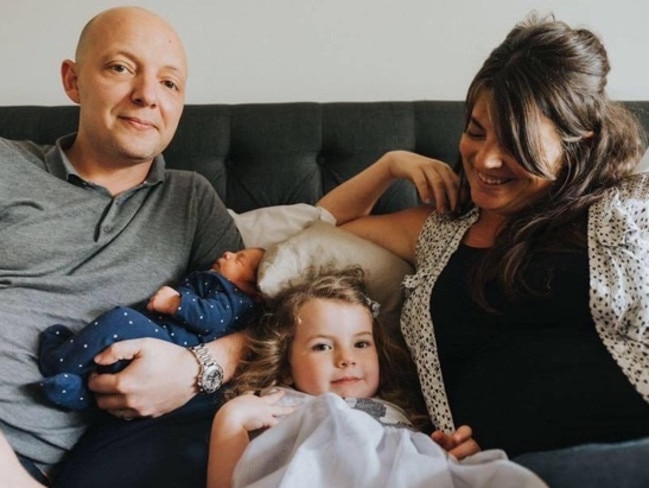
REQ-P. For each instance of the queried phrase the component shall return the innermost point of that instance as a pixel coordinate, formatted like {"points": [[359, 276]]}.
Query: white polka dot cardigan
{"points": [[618, 250]]}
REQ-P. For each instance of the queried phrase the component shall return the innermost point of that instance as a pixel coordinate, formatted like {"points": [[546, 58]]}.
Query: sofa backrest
{"points": [[257, 155]]}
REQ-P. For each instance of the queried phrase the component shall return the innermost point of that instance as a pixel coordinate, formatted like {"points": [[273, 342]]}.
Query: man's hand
{"points": [[160, 378]]}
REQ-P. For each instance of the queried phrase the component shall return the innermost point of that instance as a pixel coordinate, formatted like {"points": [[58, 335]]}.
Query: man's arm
{"points": [[161, 376]]}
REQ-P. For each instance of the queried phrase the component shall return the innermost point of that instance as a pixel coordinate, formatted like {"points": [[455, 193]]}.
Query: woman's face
{"points": [[499, 184]]}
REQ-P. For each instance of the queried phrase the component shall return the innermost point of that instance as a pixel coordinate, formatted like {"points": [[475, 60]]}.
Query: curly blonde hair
{"points": [[266, 363]]}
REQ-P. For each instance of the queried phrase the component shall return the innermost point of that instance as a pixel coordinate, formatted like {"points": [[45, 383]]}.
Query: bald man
{"points": [[78, 220]]}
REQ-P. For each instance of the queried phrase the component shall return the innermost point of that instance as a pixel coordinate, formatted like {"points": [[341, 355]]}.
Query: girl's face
{"points": [[499, 184], [334, 350]]}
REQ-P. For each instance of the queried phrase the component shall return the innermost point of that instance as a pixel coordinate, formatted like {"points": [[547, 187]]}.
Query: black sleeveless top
{"points": [[535, 376]]}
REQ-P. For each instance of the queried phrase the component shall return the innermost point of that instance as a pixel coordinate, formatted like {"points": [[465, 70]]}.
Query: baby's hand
{"points": [[460, 444], [166, 300]]}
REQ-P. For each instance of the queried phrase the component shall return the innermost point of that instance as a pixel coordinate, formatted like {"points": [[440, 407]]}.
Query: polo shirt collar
{"points": [[60, 166]]}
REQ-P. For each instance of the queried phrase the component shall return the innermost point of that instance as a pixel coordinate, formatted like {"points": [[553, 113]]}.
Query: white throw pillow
{"points": [[322, 244], [266, 226]]}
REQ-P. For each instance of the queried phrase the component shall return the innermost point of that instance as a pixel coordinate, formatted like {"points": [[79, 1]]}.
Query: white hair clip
{"points": [[375, 307]]}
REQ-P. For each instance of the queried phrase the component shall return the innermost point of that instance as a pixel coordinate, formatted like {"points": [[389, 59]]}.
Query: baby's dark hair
{"points": [[267, 362]]}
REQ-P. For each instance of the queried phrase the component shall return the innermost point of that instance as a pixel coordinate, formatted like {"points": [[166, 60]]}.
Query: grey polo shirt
{"points": [[69, 251]]}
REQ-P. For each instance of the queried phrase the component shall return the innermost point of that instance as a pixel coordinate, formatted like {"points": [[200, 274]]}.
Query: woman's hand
{"points": [[460, 444], [436, 182]]}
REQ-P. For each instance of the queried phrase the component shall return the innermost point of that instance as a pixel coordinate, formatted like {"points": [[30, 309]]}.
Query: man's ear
{"points": [[70, 80]]}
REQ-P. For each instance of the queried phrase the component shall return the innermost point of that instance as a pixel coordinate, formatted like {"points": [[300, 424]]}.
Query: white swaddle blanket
{"points": [[328, 444]]}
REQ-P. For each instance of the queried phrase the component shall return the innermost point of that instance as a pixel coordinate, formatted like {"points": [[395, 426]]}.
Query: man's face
{"points": [[129, 80]]}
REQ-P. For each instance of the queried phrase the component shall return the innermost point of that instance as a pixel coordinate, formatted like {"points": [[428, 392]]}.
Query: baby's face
{"points": [[240, 267]]}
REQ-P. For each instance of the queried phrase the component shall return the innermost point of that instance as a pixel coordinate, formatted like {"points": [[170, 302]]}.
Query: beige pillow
{"points": [[266, 226], [643, 165], [323, 244]]}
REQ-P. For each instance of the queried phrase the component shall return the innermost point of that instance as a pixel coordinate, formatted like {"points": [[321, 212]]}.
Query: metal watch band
{"points": [[210, 375]]}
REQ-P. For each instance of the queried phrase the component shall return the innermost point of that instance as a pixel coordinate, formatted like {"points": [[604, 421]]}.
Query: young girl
{"points": [[322, 341]]}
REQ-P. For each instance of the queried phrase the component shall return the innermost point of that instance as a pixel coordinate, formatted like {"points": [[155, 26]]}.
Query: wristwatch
{"points": [[210, 376]]}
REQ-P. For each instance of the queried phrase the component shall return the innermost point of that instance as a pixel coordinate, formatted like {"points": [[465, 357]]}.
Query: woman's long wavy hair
{"points": [[267, 362], [546, 68]]}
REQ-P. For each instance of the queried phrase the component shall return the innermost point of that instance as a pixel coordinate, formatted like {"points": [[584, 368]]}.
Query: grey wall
{"points": [[318, 50]]}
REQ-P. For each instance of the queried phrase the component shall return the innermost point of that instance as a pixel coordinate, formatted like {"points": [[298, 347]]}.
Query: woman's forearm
{"points": [[358, 195], [435, 181]]}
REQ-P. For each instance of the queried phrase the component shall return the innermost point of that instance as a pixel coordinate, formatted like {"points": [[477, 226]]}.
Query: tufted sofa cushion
{"points": [[258, 155]]}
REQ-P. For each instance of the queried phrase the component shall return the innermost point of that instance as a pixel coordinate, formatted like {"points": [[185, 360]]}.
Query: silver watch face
{"points": [[211, 379]]}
